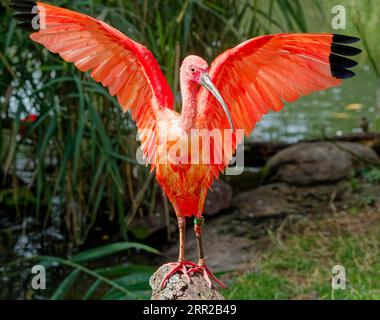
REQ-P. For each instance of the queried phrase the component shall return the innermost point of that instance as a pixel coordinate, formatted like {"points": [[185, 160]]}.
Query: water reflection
{"points": [[335, 111]]}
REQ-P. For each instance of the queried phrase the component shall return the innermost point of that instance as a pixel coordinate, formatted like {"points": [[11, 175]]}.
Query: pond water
{"points": [[335, 111]]}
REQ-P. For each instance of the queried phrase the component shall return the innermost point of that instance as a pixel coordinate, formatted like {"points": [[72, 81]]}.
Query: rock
{"points": [[281, 199], [146, 226], [178, 288], [265, 201], [218, 198], [249, 179], [256, 153], [376, 147], [317, 163]]}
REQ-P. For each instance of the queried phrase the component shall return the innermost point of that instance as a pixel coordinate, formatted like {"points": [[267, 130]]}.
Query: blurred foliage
{"points": [[372, 175]]}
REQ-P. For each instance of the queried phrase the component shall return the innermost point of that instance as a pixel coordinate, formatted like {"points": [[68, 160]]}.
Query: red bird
{"points": [[240, 86], [27, 121]]}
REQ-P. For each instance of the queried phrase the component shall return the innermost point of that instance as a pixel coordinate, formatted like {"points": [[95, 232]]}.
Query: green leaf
{"points": [[133, 279], [80, 129], [119, 271], [113, 294], [113, 248], [92, 289], [65, 285]]}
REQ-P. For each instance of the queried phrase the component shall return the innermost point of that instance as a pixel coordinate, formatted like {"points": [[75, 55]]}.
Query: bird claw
{"points": [[179, 267], [207, 274]]}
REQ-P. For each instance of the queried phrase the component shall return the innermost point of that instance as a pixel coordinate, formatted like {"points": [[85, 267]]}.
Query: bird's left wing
{"points": [[125, 67], [260, 74]]}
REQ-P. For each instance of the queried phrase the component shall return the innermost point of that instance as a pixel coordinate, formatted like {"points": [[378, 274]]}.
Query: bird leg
{"points": [[182, 263], [201, 267], [181, 228]]}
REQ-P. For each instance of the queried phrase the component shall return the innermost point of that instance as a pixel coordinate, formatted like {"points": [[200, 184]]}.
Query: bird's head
{"points": [[194, 70]]}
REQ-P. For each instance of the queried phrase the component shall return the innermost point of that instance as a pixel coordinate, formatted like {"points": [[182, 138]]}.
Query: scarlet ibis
{"points": [[241, 85]]}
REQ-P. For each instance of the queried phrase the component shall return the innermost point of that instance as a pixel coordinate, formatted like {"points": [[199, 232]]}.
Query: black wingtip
{"points": [[344, 50], [23, 5], [26, 14], [339, 64], [342, 73], [340, 61], [26, 27], [24, 17], [340, 38]]}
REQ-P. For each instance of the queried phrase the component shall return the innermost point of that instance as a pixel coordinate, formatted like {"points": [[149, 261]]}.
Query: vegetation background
{"points": [[73, 168]]}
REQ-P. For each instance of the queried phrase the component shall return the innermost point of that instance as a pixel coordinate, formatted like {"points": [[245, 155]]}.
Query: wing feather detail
{"points": [[125, 67]]}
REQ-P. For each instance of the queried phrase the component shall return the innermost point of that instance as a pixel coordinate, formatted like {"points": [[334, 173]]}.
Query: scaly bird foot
{"points": [[207, 274], [179, 267]]}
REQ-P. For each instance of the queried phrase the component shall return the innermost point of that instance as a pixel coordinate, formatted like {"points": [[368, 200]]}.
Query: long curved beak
{"points": [[207, 83]]}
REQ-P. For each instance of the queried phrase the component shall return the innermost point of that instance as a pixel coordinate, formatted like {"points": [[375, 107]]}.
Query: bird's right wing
{"points": [[125, 67], [262, 73]]}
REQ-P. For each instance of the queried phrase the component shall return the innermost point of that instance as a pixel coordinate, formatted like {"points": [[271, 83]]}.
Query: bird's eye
{"points": [[192, 69]]}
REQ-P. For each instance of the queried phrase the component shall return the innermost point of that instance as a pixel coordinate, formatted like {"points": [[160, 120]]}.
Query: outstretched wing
{"points": [[125, 67], [260, 74]]}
